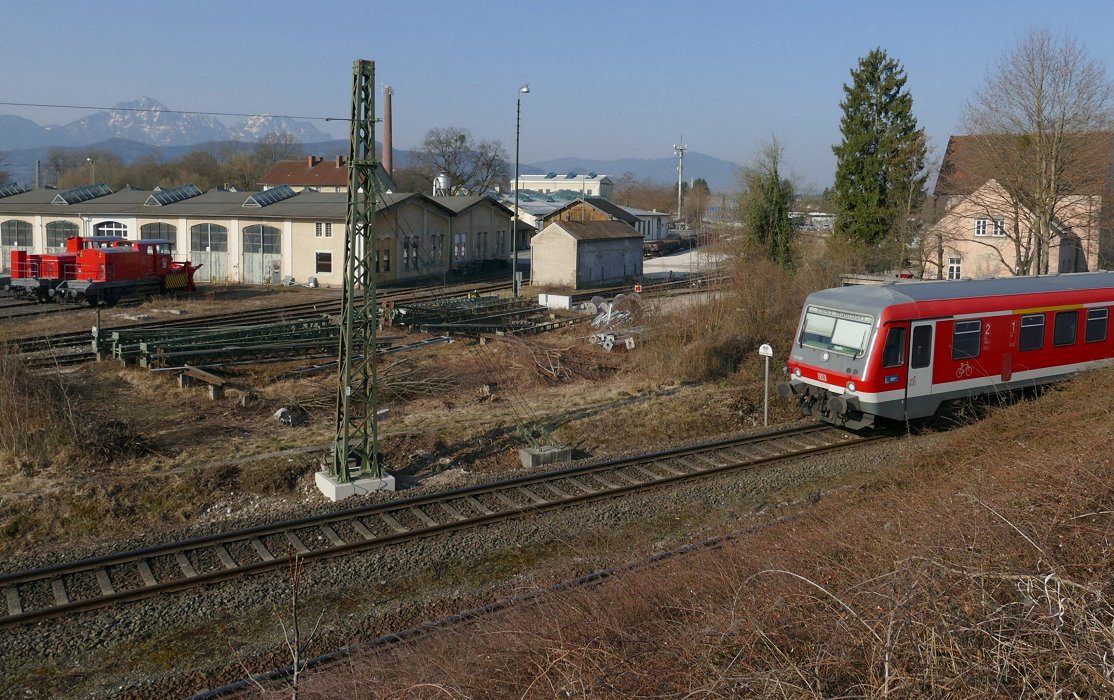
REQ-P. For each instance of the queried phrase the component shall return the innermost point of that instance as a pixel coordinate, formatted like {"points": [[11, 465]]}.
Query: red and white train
{"points": [[901, 349], [100, 270]]}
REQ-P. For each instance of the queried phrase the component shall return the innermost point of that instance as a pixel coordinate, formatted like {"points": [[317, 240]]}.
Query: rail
{"points": [[99, 582]]}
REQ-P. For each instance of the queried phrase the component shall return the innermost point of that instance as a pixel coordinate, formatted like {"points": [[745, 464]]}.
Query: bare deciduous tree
{"points": [[275, 147], [1036, 127], [644, 194], [472, 167]]}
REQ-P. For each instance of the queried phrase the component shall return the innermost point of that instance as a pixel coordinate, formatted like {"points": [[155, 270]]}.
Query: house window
{"points": [[1096, 325], [965, 339], [15, 233], [955, 268], [208, 238], [323, 229], [980, 227], [158, 231], [262, 239], [324, 263], [1032, 332], [58, 231], [111, 228], [1064, 332], [1000, 227], [406, 257]]}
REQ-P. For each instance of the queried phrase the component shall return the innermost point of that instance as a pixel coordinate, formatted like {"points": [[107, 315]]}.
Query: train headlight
{"points": [[850, 386], [797, 371]]}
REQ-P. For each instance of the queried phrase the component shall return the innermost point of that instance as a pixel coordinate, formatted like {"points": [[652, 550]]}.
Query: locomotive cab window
{"points": [[893, 354], [1065, 329], [838, 331], [1096, 325], [965, 339], [1032, 332]]}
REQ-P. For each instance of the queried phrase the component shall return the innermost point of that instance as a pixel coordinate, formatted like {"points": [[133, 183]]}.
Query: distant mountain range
{"points": [[135, 129], [149, 122]]}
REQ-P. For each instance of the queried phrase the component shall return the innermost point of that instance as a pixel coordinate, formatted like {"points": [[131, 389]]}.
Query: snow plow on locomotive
{"points": [[901, 350], [100, 270]]}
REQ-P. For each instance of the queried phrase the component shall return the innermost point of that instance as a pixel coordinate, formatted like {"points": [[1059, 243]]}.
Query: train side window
{"points": [[1066, 328], [965, 339], [1032, 332], [1096, 325], [893, 354], [921, 354]]}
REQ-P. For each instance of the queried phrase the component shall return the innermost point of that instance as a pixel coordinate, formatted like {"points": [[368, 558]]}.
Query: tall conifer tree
{"points": [[880, 164]]}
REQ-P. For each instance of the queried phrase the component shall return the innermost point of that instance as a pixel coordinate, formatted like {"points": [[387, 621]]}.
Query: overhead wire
{"points": [[174, 111]]}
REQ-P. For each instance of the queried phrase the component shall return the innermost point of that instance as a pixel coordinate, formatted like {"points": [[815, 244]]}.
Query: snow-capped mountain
{"points": [[257, 127], [147, 121], [150, 122]]}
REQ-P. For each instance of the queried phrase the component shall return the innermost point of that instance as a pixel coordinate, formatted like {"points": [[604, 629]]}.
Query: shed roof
{"points": [[605, 205], [306, 204], [597, 230]]}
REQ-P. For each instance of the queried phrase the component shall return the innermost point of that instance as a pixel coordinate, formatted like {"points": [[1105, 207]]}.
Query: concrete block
{"points": [[547, 454], [336, 491]]}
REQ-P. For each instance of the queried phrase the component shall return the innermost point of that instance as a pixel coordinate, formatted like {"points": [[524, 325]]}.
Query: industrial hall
{"points": [[274, 235]]}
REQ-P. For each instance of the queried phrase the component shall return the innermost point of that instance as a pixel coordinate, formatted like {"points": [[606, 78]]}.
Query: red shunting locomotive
{"points": [[100, 270], [900, 350]]}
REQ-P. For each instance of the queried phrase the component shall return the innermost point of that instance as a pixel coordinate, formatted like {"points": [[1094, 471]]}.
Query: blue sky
{"points": [[608, 79]]}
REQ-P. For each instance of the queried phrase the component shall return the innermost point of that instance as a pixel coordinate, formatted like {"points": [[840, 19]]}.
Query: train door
{"points": [[918, 387]]}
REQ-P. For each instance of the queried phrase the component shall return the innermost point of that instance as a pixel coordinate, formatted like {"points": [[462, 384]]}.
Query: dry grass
{"points": [[981, 568], [34, 411]]}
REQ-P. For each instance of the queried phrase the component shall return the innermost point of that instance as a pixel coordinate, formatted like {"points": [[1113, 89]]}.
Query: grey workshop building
{"points": [[585, 254]]}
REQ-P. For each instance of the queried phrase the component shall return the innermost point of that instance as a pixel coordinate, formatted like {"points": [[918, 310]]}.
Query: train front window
{"points": [[837, 331]]}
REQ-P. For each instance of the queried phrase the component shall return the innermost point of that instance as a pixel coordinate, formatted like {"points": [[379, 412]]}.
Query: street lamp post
{"points": [[525, 89], [92, 170]]}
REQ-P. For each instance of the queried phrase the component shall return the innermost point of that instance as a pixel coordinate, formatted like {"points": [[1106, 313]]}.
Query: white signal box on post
{"points": [[767, 352]]}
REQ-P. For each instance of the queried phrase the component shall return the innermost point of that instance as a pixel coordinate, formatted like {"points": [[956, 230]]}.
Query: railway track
{"points": [[90, 584], [77, 339]]}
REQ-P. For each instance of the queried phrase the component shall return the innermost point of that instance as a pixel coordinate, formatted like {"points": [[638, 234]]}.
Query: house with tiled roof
{"points": [[984, 228], [317, 173]]}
